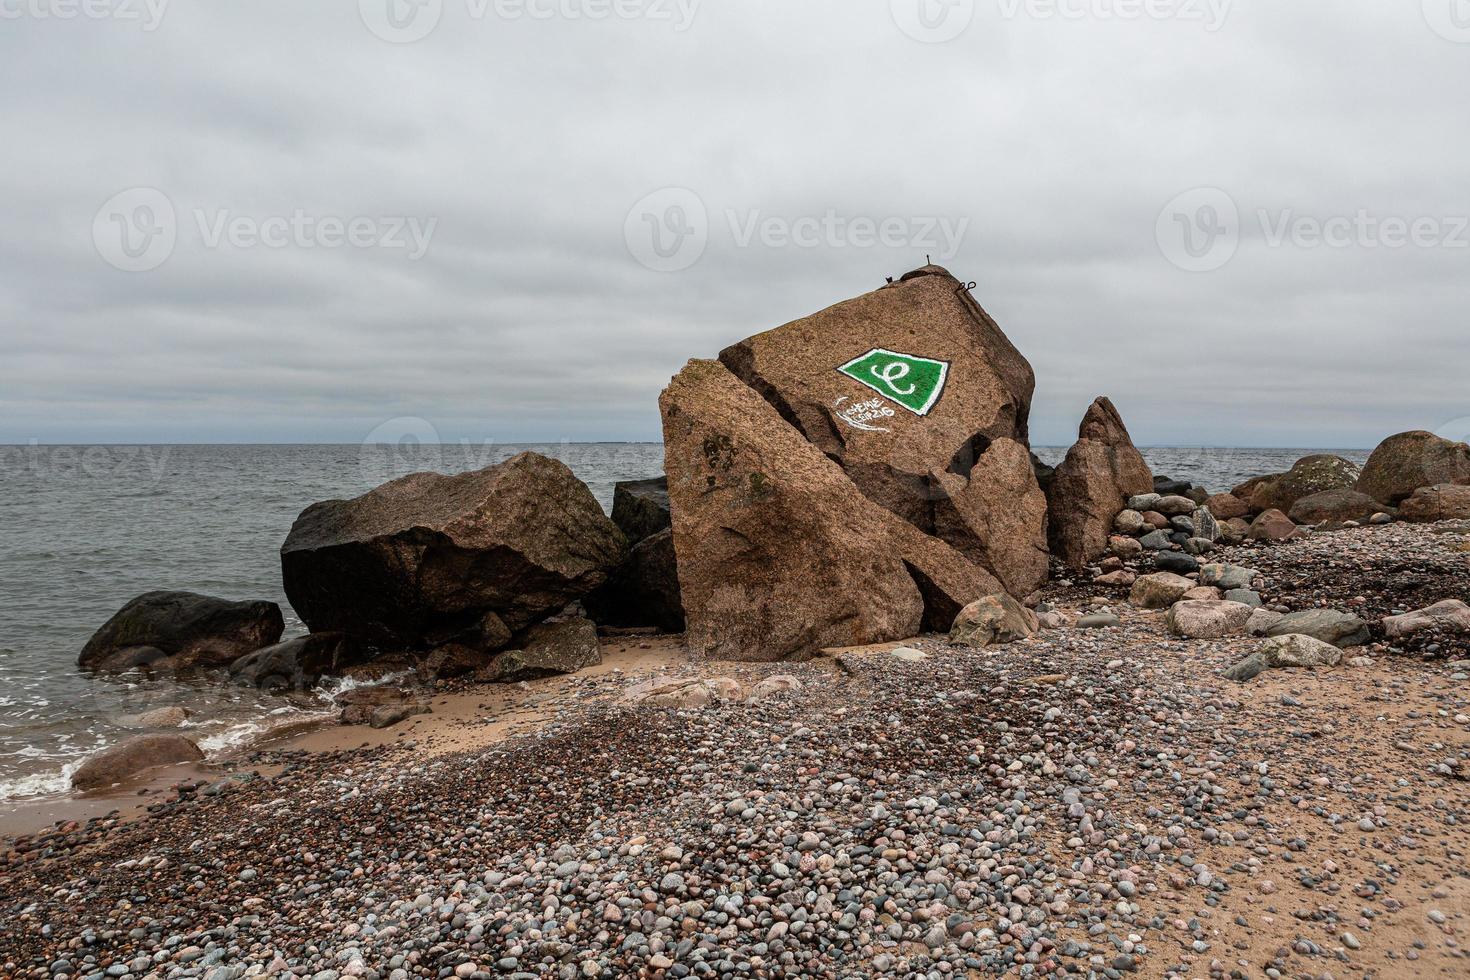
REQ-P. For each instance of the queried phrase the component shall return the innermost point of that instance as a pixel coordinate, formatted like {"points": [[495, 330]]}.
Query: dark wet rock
{"points": [[1173, 561], [422, 560], [644, 590], [1166, 486], [180, 631], [563, 647], [299, 663], [1248, 668], [451, 660], [641, 507]]}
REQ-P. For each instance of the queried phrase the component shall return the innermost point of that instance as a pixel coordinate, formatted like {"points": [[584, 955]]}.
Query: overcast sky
{"points": [[284, 221]]}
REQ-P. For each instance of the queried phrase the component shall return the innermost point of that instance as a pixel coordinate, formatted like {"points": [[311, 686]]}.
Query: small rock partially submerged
{"points": [[127, 759], [170, 717]]}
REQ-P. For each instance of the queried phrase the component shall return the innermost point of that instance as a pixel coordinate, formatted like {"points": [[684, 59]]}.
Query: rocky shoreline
{"points": [[1098, 801], [860, 688]]}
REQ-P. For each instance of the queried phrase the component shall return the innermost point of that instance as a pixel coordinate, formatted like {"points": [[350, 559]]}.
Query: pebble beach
{"points": [[1087, 801]]}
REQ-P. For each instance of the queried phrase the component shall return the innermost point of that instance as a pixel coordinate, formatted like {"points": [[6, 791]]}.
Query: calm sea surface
{"points": [[88, 528]]}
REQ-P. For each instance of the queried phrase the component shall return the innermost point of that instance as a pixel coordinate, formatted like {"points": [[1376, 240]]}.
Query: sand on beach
{"points": [[1099, 799]]}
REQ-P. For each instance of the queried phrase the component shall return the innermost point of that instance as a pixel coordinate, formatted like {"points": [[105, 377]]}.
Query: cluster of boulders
{"points": [[854, 477]]}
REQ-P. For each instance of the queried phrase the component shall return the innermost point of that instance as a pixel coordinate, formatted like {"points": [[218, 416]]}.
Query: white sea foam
{"points": [[39, 783]]}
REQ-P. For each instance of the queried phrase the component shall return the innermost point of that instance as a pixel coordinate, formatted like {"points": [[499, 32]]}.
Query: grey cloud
{"points": [[1057, 142]]}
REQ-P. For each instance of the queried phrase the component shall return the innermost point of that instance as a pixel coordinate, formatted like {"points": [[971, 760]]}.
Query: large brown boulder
{"points": [[1307, 476], [430, 559], [127, 759], [780, 553], [1446, 502], [1002, 528], [172, 631], [917, 394], [1403, 463], [1334, 505], [1101, 471]]}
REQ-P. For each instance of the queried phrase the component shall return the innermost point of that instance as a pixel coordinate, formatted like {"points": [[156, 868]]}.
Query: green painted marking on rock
{"points": [[912, 381]]}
